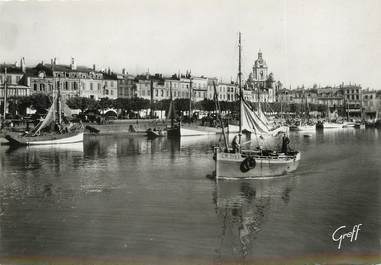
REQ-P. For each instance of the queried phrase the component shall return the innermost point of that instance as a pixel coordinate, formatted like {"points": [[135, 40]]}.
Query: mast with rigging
{"points": [[240, 88]]}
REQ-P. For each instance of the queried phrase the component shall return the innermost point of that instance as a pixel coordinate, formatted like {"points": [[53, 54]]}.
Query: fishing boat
{"points": [[173, 130], [360, 125], [53, 129], [329, 125], [195, 130], [304, 125], [256, 163], [152, 133]]}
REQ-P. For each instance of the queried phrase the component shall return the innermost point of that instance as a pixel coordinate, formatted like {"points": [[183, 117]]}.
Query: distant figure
{"points": [[235, 144], [285, 143]]}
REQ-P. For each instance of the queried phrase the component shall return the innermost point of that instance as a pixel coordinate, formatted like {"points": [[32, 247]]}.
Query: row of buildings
{"points": [[89, 82], [351, 97], [93, 83]]}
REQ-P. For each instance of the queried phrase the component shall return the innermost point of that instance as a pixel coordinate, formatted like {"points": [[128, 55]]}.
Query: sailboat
{"points": [[174, 130], [52, 129], [256, 163], [304, 125]]}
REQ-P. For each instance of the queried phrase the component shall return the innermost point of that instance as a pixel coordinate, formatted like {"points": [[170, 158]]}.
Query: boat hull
{"points": [[154, 134], [68, 138], [228, 165], [197, 131], [173, 132], [305, 128]]}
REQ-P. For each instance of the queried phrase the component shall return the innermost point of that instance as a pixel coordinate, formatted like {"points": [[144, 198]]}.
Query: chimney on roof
{"points": [[108, 70], [124, 71], [42, 62], [55, 61], [73, 66], [22, 65], [17, 64], [94, 68]]}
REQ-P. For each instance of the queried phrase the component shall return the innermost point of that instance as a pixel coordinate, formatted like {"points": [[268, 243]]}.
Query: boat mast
{"points": [[219, 116], [5, 93], [190, 98], [171, 104], [240, 88], [59, 104]]}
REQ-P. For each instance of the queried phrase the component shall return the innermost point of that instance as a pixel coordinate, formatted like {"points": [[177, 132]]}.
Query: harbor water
{"points": [[119, 198]]}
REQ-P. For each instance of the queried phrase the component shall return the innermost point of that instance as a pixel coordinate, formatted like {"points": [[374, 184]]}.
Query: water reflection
{"points": [[243, 207]]}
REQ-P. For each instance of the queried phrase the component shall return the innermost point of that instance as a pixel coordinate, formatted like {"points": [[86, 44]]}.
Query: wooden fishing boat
{"points": [[155, 133], [52, 129], [45, 139], [256, 163]]}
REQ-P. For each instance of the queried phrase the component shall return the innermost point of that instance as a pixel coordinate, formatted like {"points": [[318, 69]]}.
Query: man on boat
{"points": [[285, 143], [235, 144]]}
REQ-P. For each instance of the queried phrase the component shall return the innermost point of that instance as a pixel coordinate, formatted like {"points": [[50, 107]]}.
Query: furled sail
{"points": [[257, 122], [48, 119], [171, 111], [65, 109], [251, 120], [262, 116]]}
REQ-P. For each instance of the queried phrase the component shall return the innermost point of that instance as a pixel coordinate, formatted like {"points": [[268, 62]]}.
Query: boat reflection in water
{"points": [[243, 208]]}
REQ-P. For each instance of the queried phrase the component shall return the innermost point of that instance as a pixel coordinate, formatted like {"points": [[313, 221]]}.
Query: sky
{"points": [[323, 42]]}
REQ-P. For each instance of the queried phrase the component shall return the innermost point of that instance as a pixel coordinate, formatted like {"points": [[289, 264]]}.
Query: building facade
{"points": [[261, 81]]}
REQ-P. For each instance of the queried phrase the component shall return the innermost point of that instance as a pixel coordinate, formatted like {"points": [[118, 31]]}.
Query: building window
{"points": [[99, 86]]}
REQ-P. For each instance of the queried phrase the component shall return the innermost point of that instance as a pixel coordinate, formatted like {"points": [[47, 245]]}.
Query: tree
{"points": [[39, 102], [139, 104], [105, 103], [82, 103]]}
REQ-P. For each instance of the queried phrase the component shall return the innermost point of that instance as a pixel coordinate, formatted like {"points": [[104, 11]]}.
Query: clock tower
{"points": [[261, 81], [260, 68]]}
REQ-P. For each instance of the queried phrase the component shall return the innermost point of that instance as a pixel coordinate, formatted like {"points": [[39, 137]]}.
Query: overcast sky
{"points": [[303, 42]]}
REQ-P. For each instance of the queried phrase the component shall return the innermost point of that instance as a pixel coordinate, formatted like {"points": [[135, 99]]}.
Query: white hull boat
{"points": [[349, 124], [68, 138], [198, 130], [305, 128], [51, 130], [332, 125], [256, 163], [233, 165]]}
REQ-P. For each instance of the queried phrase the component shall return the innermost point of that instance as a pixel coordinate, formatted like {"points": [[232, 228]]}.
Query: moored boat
{"points": [[255, 164], [198, 130], [52, 129], [258, 163]]}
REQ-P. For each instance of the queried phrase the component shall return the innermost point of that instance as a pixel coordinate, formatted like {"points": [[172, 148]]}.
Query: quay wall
{"points": [[130, 127]]}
